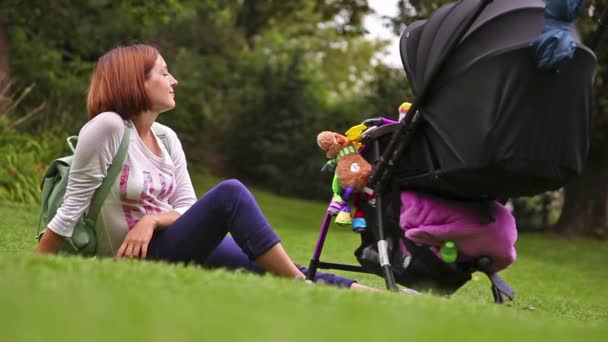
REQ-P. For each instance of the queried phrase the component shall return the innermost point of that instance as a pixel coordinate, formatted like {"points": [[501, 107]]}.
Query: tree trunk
{"points": [[5, 72], [585, 210]]}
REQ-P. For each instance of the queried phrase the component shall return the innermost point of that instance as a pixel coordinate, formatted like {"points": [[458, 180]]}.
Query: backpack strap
{"points": [[161, 134], [103, 190]]}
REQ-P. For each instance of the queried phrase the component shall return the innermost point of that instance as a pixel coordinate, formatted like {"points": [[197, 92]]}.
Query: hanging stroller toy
{"points": [[502, 109], [351, 174]]}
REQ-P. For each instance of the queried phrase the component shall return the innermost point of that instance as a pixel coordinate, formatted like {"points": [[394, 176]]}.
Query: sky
{"points": [[376, 29]]}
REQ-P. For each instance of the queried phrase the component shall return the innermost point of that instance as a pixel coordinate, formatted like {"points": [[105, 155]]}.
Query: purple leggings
{"points": [[199, 235]]}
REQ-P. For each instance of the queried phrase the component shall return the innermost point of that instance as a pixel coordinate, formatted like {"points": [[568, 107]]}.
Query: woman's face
{"points": [[160, 87]]}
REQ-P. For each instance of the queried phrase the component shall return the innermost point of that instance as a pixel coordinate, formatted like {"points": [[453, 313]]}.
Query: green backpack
{"points": [[54, 184]]}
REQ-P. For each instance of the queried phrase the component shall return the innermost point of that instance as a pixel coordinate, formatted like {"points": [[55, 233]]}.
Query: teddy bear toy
{"points": [[351, 173]]}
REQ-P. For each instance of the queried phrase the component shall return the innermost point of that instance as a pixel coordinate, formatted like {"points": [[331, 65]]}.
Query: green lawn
{"points": [[559, 288]]}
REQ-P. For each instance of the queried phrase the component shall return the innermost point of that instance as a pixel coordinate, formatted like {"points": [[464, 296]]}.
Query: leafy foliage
{"points": [[289, 69], [23, 158], [273, 139], [55, 45]]}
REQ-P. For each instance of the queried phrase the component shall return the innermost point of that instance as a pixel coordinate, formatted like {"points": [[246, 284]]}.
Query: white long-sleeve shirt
{"points": [[147, 183]]}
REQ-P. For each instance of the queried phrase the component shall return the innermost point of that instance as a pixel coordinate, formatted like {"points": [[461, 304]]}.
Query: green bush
{"points": [[538, 212], [272, 140], [23, 160], [23, 156]]}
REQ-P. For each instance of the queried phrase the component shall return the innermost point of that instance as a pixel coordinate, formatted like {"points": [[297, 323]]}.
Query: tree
{"points": [[5, 71], [387, 91], [305, 70], [287, 68], [585, 209], [273, 141], [55, 44]]}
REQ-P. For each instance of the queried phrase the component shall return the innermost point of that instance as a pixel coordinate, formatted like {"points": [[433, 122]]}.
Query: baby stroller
{"points": [[487, 124]]}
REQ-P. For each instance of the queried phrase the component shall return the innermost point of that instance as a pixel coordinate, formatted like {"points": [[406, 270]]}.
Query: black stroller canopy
{"points": [[503, 26], [490, 107]]}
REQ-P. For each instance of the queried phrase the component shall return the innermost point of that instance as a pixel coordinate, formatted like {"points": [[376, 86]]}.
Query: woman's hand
{"points": [[136, 242], [49, 243]]}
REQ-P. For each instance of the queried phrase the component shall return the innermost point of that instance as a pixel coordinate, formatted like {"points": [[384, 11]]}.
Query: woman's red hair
{"points": [[117, 83]]}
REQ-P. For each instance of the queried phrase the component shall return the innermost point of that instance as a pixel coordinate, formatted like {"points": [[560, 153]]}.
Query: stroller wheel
{"points": [[410, 291]]}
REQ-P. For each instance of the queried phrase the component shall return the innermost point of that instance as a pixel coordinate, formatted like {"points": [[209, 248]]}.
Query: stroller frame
{"points": [[379, 128]]}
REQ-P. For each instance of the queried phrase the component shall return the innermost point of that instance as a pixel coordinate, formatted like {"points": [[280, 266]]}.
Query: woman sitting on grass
{"points": [[151, 211]]}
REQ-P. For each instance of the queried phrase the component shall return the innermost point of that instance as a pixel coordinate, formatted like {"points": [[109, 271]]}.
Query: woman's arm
{"points": [[136, 242], [163, 221], [49, 243], [98, 143]]}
